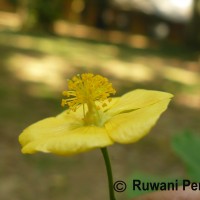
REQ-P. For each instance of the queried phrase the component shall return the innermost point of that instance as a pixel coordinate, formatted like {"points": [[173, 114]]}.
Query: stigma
{"points": [[87, 88]]}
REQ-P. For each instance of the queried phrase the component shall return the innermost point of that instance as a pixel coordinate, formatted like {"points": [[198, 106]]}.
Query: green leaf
{"points": [[187, 147]]}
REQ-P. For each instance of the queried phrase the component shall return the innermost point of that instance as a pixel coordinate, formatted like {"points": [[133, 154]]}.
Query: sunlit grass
{"points": [[46, 62]]}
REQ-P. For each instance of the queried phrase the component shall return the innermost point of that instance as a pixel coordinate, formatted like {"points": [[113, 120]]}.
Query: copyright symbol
{"points": [[119, 186]]}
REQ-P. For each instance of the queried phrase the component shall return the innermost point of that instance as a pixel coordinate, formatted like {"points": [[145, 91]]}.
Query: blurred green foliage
{"points": [[40, 15], [187, 146]]}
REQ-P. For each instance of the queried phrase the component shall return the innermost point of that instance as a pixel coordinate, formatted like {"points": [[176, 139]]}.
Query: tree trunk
{"points": [[193, 31]]}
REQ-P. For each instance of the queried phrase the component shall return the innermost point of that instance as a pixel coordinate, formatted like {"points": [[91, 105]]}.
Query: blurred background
{"points": [[136, 44]]}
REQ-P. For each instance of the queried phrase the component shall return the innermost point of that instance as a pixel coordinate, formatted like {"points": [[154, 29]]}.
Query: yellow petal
{"points": [[137, 99], [72, 142], [48, 127], [107, 104], [130, 127]]}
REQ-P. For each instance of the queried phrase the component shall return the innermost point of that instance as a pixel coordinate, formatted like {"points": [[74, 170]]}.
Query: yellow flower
{"points": [[93, 120]]}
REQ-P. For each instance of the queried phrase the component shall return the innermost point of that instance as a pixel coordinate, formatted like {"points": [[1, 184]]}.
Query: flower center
{"points": [[86, 89]]}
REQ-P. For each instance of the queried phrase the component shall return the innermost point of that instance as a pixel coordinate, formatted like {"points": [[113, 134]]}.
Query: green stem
{"points": [[109, 172]]}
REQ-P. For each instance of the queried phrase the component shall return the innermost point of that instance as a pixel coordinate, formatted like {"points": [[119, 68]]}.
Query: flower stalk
{"points": [[109, 172]]}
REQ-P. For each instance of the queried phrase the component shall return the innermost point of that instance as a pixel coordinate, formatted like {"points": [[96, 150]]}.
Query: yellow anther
{"points": [[87, 88]]}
